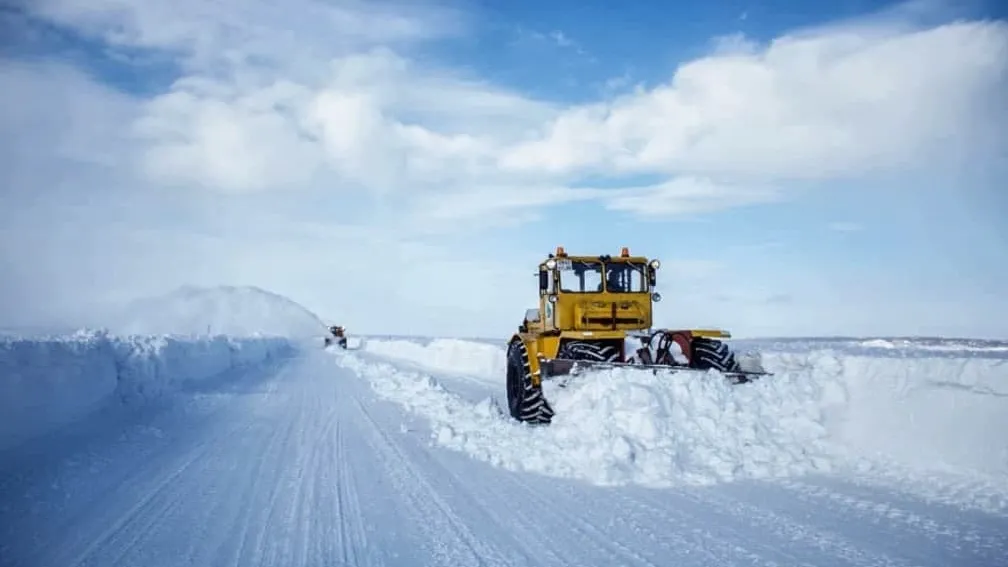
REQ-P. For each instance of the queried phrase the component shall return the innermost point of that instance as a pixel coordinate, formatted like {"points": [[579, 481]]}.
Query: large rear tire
{"points": [[525, 400], [712, 354]]}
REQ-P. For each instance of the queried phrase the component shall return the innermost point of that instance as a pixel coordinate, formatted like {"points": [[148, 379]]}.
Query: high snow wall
{"points": [[46, 382]]}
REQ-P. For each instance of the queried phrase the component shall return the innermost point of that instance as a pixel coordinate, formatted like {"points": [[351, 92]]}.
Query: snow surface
{"points": [[934, 420], [49, 382], [222, 310], [305, 465], [855, 453]]}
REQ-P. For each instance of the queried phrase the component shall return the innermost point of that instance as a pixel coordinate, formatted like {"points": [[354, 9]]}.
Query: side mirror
{"points": [[543, 280], [656, 297]]}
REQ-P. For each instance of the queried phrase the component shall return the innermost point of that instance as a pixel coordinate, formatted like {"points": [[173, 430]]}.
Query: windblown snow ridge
{"points": [[49, 381], [239, 311]]}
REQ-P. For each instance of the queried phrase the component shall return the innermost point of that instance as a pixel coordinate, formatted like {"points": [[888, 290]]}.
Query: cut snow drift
{"points": [[224, 310], [621, 426], [450, 356], [822, 411], [49, 382]]}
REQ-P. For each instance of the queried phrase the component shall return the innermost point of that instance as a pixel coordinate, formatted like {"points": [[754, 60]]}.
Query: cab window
{"points": [[626, 277], [580, 276]]}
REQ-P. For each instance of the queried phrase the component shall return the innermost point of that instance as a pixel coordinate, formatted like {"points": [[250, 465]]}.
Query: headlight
{"points": [[655, 264], [551, 263]]}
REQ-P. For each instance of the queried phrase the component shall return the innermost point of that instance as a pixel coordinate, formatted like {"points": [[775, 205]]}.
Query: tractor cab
{"points": [[596, 312], [596, 293]]}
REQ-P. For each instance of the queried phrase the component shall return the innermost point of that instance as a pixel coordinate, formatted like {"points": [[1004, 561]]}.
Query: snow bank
{"points": [[824, 410], [450, 356], [620, 427], [941, 413], [47, 382], [240, 311]]}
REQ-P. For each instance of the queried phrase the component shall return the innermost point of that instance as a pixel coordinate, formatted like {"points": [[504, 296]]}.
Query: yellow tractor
{"points": [[596, 312]]}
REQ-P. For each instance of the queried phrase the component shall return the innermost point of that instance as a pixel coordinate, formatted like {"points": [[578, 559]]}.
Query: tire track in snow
{"points": [[279, 444], [684, 535], [315, 527], [986, 495], [509, 526], [589, 533], [242, 555], [759, 519], [432, 514], [146, 512], [304, 531], [131, 516], [966, 542], [354, 551]]}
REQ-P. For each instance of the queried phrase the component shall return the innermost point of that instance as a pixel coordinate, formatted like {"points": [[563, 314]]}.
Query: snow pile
{"points": [[823, 410], [50, 381], [240, 311], [451, 356], [621, 426]]}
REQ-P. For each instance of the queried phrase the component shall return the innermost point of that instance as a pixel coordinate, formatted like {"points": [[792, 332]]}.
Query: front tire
{"points": [[525, 400]]}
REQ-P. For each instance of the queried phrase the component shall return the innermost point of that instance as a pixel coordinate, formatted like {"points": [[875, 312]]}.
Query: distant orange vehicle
{"points": [[338, 336]]}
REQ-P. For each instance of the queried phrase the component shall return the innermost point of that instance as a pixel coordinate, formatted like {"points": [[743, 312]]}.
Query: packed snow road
{"points": [[303, 464]]}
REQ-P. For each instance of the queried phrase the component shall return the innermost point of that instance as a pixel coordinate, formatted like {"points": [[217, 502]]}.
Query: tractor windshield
{"points": [[577, 276], [626, 277]]}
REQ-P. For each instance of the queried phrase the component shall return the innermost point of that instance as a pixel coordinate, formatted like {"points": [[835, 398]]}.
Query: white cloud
{"points": [[297, 131], [245, 32], [685, 196], [804, 107], [351, 111], [232, 144], [58, 115]]}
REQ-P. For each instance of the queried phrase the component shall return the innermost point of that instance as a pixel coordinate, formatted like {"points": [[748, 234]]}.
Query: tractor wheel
{"points": [[589, 350], [712, 354], [525, 400]]}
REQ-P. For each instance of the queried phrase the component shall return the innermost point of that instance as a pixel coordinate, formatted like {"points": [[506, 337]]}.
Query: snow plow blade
{"points": [[561, 370], [345, 343]]}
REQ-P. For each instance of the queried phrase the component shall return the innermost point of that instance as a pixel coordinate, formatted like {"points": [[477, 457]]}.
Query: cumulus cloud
{"points": [[352, 110], [812, 106]]}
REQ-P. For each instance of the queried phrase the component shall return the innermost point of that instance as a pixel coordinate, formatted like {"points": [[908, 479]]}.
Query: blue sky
{"points": [[827, 168]]}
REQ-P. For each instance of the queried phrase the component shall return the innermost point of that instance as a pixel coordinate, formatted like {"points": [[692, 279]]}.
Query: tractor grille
{"points": [[612, 316], [613, 321]]}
